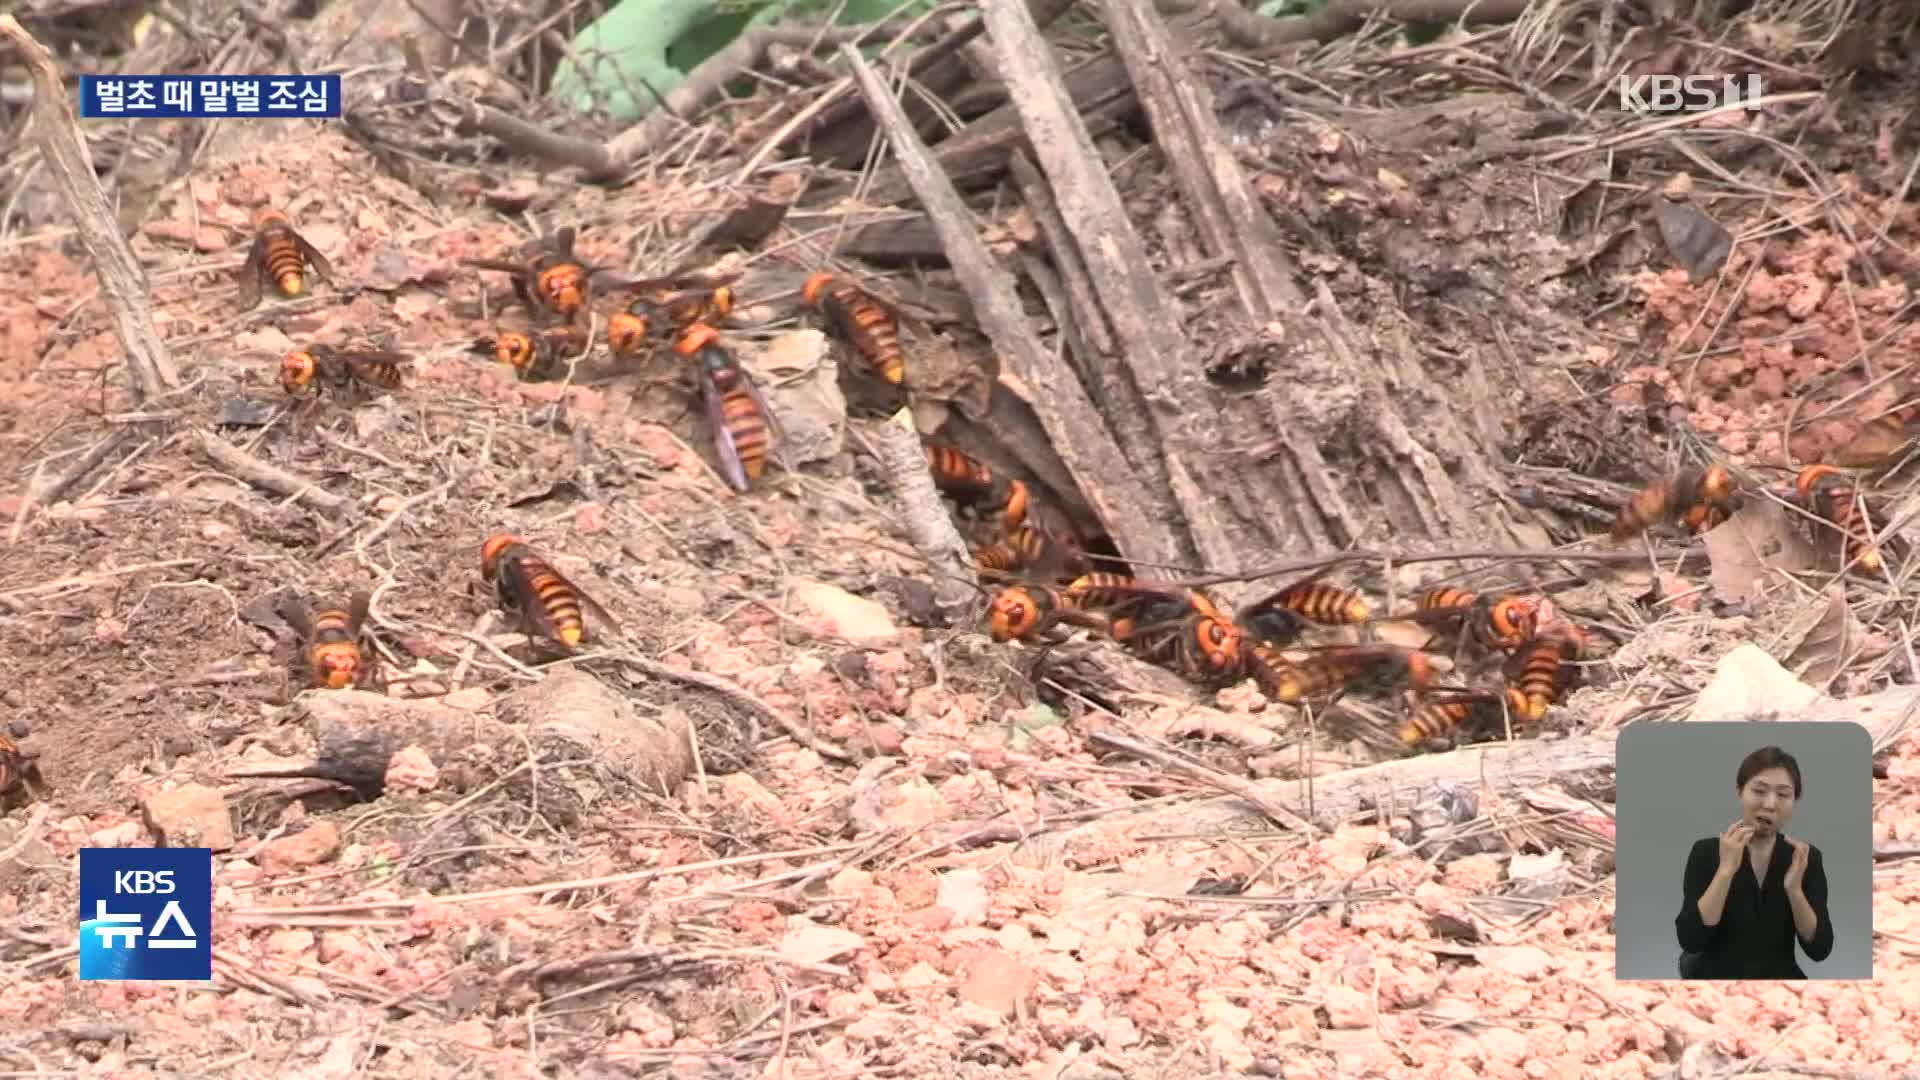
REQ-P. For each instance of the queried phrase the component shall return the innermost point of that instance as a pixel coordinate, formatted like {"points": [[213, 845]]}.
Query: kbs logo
{"points": [[1644, 94], [146, 913]]}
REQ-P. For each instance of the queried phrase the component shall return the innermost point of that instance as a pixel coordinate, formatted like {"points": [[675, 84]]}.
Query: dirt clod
{"points": [[191, 815]]}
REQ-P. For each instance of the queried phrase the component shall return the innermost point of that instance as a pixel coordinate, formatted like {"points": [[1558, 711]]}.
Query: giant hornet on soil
{"points": [[1502, 623], [342, 370], [1833, 497], [280, 256], [744, 427], [1180, 629], [1024, 612], [1460, 717], [864, 321], [1282, 616], [1292, 676], [331, 656], [549, 278], [973, 484], [1698, 498], [19, 774], [1545, 669], [534, 355], [666, 308], [1541, 651], [543, 602]]}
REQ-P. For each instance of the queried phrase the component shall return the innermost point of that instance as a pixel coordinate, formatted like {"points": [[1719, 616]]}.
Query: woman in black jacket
{"points": [[1753, 889]]}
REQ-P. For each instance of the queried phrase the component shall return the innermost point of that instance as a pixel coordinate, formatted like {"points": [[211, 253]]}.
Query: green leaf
{"points": [[623, 53], [639, 44]]}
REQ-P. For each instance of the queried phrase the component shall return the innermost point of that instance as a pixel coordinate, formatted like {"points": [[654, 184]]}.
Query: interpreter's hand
{"points": [[1797, 869], [1733, 845]]}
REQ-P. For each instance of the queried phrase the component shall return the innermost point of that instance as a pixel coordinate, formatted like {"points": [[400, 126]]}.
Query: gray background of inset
{"points": [[1674, 783]]}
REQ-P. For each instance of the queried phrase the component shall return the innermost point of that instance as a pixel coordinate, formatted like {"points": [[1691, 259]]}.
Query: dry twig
{"points": [[150, 368], [949, 564], [1252, 30], [1232, 221], [1273, 808], [270, 477]]}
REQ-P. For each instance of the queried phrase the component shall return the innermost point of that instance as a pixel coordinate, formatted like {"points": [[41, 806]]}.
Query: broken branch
{"points": [[948, 562], [1164, 397], [270, 477], [593, 159], [1250, 29], [1180, 108], [710, 79], [123, 281], [1077, 430]]}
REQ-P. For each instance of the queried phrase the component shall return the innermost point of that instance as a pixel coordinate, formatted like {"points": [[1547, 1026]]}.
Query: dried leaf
{"points": [[948, 372], [748, 227], [1695, 240], [1753, 545], [1829, 640], [395, 269]]}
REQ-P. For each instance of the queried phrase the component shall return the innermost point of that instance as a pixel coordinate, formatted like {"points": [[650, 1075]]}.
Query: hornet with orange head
{"points": [[1180, 629], [1698, 498], [1205, 647], [540, 598], [318, 367], [1502, 623], [548, 278], [19, 774], [1546, 669], [863, 320], [1295, 675], [280, 257], [331, 657], [666, 308], [744, 428], [1019, 612], [534, 355], [1024, 612], [972, 483], [1832, 496]]}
